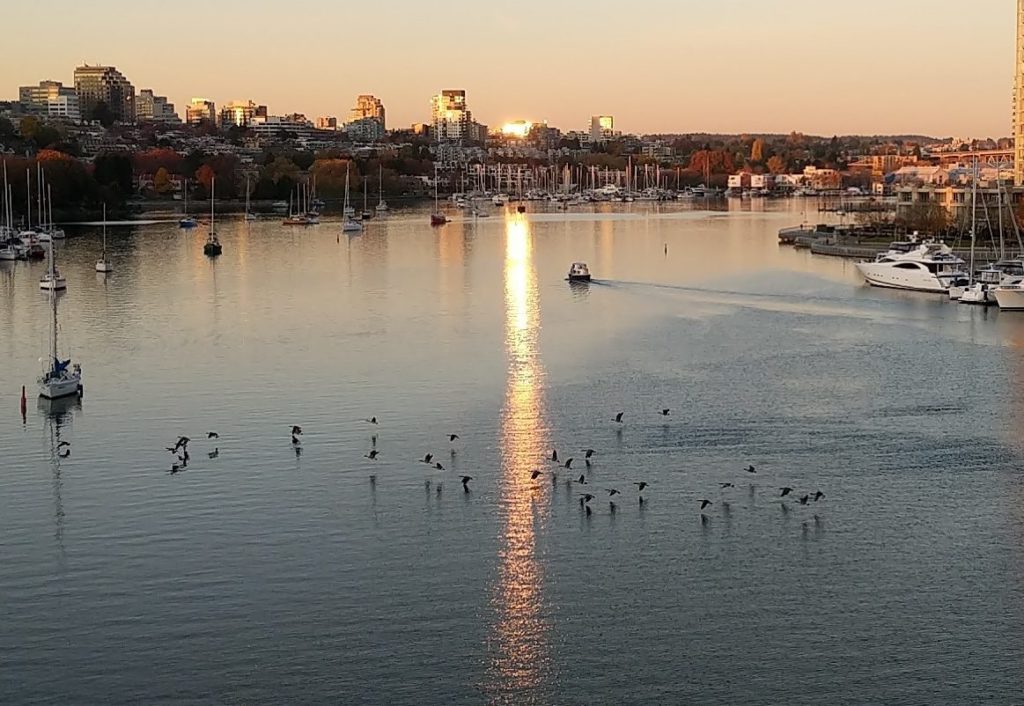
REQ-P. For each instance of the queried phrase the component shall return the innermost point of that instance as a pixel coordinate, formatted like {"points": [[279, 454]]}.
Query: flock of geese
{"points": [[182, 458]]}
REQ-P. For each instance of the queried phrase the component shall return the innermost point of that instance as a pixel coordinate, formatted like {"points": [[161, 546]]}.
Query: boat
{"points": [[186, 221], [366, 214], [52, 231], [212, 248], [579, 272], [959, 287], [52, 280], [499, 199], [249, 215], [11, 248], [437, 218], [103, 264], [382, 205], [929, 267], [60, 378], [350, 224]]}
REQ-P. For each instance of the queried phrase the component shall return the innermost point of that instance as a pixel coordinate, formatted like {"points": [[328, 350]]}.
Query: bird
{"points": [[452, 437], [181, 442], [554, 455], [586, 497], [612, 492], [438, 467], [785, 492], [818, 496], [427, 458], [705, 503], [640, 486], [535, 475], [589, 452], [618, 417], [62, 444], [582, 480], [726, 485], [212, 435], [372, 420], [372, 455], [172, 449], [214, 454], [804, 499], [465, 483], [295, 440], [568, 464], [65, 454], [296, 430], [750, 469], [665, 412]]}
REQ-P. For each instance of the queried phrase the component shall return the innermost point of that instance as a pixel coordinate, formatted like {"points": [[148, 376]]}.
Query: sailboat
{"points": [[52, 280], [11, 248], [249, 215], [382, 205], [437, 218], [60, 379], [186, 221], [367, 214], [349, 224], [103, 264], [212, 248], [347, 211]]}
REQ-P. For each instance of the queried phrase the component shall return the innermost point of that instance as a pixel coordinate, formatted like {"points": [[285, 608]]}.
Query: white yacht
{"points": [[929, 267], [579, 272]]}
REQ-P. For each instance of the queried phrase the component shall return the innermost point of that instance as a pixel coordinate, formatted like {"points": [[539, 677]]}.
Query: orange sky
{"points": [[656, 65]]}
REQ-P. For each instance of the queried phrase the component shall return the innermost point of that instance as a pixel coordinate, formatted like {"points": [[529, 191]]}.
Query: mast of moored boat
{"points": [[974, 218]]}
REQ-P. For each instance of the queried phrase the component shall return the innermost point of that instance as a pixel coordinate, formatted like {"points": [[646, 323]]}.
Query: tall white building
{"points": [[201, 110], [450, 117], [602, 128], [52, 99], [1018, 100], [150, 107]]}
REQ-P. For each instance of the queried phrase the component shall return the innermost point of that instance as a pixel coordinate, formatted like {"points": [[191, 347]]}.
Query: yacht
{"points": [[929, 267], [579, 272]]}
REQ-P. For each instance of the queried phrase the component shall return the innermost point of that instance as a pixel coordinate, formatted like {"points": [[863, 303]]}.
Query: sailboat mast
{"points": [[49, 205], [974, 217], [999, 199], [104, 231], [28, 199]]}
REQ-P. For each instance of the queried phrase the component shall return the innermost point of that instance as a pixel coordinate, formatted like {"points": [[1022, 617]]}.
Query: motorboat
{"points": [[929, 267], [579, 272], [438, 219]]}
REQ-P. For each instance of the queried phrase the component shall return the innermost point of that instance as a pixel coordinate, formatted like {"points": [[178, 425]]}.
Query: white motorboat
{"points": [[930, 267], [579, 272], [103, 264], [60, 378], [1010, 297]]}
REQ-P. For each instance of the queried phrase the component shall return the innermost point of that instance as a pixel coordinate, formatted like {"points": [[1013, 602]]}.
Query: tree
{"points": [[757, 150], [930, 218], [114, 170], [162, 181], [102, 114], [204, 177], [776, 164], [7, 130]]}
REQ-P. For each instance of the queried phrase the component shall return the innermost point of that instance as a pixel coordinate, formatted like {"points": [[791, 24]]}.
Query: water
{"points": [[267, 576]]}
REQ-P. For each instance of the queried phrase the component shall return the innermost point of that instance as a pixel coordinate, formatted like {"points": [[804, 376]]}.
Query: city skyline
{"points": [[695, 70]]}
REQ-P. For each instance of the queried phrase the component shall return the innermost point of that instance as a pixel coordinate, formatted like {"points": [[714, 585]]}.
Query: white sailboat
{"points": [[54, 232], [186, 221], [249, 215], [349, 224], [59, 378], [53, 280], [103, 264], [11, 247], [382, 205]]}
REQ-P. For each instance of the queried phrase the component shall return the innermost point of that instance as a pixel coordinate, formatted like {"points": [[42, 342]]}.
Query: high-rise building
{"points": [[326, 122], [368, 106], [449, 116], [241, 113], [201, 110], [1018, 100], [52, 99], [365, 130], [152, 108], [602, 128], [104, 84]]}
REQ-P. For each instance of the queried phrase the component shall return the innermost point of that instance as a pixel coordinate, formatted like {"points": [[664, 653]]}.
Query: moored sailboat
{"points": [[60, 378], [212, 248]]}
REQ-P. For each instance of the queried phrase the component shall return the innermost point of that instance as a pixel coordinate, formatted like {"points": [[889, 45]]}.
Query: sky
{"points": [[941, 68]]}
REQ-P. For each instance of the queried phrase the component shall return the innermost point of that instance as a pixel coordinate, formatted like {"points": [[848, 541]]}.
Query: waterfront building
{"points": [[368, 107], [1018, 99], [276, 127], [51, 99], [104, 84], [152, 108], [201, 110], [450, 116], [602, 128], [241, 113]]}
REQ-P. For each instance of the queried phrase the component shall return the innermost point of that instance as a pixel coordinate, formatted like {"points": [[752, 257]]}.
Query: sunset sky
{"points": [[817, 66]]}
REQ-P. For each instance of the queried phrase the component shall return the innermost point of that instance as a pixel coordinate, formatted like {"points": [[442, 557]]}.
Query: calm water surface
{"points": [[267, 576]]}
